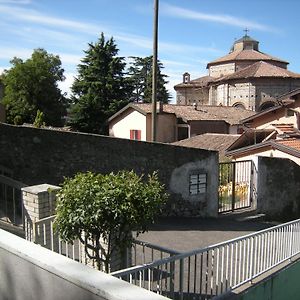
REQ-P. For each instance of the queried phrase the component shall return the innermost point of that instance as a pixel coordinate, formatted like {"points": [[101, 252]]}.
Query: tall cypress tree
{"points": [[100, 89], [140, 73]]}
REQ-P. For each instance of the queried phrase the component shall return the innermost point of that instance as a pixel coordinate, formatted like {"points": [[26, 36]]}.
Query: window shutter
{"points": [[138, 137], [131, 134]]}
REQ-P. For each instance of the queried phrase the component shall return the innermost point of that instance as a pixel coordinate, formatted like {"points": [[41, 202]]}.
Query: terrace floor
{"points": [[184, 234]]}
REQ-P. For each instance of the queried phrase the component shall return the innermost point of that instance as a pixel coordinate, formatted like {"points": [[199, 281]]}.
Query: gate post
{"points": [[39, 203], [233, 186]]}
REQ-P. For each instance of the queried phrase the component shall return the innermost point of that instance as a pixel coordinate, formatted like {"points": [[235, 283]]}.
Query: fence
{"points": [[141, 252], [11, 208], [215, 270]]}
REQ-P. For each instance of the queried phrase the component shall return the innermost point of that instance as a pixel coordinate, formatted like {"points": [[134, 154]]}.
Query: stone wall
{"points": [[278, 188], [37, 156], [192, 94], [2, 111]]}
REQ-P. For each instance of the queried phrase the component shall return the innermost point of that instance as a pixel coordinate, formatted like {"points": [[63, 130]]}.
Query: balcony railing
{"points": [[216, 270]]}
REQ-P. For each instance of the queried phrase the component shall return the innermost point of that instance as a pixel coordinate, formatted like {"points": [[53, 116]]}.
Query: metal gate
{"points": [[11, 207], [236, 185]]}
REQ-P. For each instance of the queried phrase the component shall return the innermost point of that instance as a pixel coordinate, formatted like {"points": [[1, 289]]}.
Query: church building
{"points": [[246, 78]]}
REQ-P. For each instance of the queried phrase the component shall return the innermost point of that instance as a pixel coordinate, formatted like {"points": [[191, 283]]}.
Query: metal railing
{"points": [[42, 233], [216, 270], [11, 207]]}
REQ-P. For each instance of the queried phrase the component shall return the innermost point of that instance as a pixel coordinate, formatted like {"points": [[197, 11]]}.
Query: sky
{"points": [[191, 32]]}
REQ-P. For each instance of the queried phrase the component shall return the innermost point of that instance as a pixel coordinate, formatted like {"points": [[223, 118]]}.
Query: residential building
{"points": [[245, 78], [274, 132], [175, 122]]}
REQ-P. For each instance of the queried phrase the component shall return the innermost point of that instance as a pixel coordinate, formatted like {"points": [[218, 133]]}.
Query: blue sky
{"points": [[191, 32]]}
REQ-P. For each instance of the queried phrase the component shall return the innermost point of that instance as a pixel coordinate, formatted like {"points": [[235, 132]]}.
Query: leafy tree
{"points": [[100, 89], [32, 85], [39, 119], [140, 73], [93, 206]]}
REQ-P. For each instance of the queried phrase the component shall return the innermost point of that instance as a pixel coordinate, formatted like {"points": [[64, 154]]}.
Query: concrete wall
{"points": [[200, 127], [38, 156], [278, 188], [30, 272], [278, 286]]}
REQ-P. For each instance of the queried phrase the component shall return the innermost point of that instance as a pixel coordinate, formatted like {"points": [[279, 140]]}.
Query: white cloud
{"points": [[15, 1], [33, 16], [65, 86], [175, 11], [9, 53]]}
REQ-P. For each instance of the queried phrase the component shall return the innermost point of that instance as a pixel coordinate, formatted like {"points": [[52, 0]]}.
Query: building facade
{"points": [[244, 78]]}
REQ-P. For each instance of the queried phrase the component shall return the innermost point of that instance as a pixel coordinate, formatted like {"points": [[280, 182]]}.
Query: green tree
{"points": [[140, 74], [32, 85], [93, 206], [100, 89]]}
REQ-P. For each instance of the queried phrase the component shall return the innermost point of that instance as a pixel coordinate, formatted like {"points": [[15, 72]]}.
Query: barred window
{"points": [[198, 183]]}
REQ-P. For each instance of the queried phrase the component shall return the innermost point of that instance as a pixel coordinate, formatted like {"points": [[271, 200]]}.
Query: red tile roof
{"points": [[258, 70], [231, 115], [210, 141], [197, 83], [291, 143], [245, 55]]}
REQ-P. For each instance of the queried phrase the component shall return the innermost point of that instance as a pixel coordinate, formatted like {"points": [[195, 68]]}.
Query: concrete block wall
{"points": [[39, 203]]}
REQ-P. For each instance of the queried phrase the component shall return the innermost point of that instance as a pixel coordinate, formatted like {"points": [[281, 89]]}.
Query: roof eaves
{"points": [[247, 148], [129, 105], [259, 114]]}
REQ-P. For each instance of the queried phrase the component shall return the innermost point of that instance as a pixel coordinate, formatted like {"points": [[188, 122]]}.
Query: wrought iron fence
{"points": [[216, 270]]}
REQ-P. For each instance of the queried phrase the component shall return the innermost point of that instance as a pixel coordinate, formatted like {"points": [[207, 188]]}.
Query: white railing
{"points": [[215, 270], [42, 233]]}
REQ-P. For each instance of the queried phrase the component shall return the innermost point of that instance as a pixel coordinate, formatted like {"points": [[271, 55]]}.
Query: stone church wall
{"points": [[221, 70], [191, 95]]}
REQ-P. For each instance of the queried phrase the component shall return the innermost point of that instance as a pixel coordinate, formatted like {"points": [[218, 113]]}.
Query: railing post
{"points": [[233, 186], [181, 278], [172, 277], [39, 203]]}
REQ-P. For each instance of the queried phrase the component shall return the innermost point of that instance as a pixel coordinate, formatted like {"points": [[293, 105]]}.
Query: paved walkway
{"points": [[184, 234]]}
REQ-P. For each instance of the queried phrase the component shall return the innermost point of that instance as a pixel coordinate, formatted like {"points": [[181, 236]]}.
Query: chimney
{"points": [[159, 107]]}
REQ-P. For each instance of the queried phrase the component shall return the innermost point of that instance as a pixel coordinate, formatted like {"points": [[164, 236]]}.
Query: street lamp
{"points": [[154, 70]]}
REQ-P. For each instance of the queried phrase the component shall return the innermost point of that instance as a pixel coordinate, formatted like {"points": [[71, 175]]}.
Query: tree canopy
{"points": [[140, 74], [107, 206], [31, 86], [100, 89]]}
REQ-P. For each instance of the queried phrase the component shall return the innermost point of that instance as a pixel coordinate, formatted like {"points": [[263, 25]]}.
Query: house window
{"points": [[135, 134], [198, 183]]}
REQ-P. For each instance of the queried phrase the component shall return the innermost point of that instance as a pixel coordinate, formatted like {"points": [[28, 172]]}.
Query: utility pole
{"points": [[154, 70]]}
